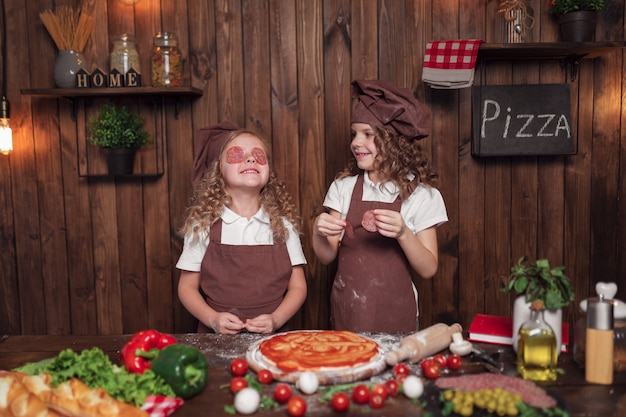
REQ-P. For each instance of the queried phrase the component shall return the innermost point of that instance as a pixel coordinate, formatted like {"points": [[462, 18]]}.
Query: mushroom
{"points": [[459, 346]]}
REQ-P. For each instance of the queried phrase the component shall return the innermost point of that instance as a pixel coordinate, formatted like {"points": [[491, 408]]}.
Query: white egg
{"points": [[247, 401], [413, 386], [308, 382]]}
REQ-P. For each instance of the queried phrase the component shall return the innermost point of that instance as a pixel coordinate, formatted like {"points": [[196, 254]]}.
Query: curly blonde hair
{"points": [[397, 158], [210, 197]]}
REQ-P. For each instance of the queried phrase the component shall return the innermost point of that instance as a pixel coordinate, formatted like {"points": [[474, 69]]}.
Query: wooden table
{"points": [[572, 392]]}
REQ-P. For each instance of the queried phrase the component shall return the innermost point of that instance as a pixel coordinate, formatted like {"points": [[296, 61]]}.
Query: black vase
{"points": [[578, 26], [120, 161]]}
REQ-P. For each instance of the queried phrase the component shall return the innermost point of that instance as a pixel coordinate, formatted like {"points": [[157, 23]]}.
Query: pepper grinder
{"points": [[599, 343]]}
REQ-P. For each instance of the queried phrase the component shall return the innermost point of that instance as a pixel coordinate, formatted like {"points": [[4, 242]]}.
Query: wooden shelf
{"points": [[541, 51], [117, 91], [81, 95]]}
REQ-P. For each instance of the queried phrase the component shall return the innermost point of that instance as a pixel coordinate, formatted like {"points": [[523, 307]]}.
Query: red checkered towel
{"points": [[160, 406], [450, 64]]}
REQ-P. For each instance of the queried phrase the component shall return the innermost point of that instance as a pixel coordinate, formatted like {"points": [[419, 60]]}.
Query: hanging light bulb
{"points": [[6, 134]]}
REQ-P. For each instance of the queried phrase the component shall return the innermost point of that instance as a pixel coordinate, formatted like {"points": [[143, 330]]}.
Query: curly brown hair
{"points": [[397, 158], [209, 198]]}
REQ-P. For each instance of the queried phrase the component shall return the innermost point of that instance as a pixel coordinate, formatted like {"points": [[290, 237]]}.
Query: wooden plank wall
{"points": [[87, 256]]}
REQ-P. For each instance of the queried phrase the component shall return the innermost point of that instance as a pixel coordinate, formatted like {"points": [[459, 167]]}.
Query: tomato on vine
{"points": [[361, 394], [265, 376], [340, 401], [401, 369], [380, 389], [282, 393], [237, 384], [377, 401], [238, 367], [392, 387], [296, 406], [454, 362], [440, 360]]}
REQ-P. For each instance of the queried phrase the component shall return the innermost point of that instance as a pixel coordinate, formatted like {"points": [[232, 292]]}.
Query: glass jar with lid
{"points": [[167, 63], [124, 55]]}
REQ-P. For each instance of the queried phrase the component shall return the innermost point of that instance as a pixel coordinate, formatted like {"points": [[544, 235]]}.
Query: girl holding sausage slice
{"points": [[383, 211], [242, 260]]}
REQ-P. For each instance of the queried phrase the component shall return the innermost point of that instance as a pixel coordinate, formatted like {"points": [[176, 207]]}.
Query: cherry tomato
{"points": [[440, 361], [380, 389], [340, 401], [361, 394], [454, 362], [431, 371], [238, 367], [265, 376], [426, 363], [282, 393], [400, 378], [400, 369], [392, 387], [377, 401], [237, 384], [296, 406]]}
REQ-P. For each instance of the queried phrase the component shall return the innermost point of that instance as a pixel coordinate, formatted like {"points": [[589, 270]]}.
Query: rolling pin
{"points": [[424, 343]]}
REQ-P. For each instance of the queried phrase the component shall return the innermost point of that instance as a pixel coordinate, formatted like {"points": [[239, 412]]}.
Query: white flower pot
{"points": [[521, 313]]}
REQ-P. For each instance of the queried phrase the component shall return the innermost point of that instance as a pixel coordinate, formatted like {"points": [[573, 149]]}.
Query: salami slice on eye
{"points": [[349, 231], [234, 155], [369, 221], [259, 155]]}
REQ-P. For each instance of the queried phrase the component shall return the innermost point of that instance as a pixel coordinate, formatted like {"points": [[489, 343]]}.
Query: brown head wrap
{"points": [[209, 143], [393, 108]]}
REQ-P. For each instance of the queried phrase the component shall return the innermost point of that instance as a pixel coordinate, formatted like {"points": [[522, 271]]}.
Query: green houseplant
{"points": [[120, 132], [538, 281], [561, 7], [577, 18]]}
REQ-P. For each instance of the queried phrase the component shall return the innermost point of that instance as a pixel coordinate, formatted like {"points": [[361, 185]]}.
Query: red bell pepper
{"points": [[142, 347]]}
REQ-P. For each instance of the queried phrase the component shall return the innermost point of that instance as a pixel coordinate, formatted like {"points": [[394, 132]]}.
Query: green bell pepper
{"points": [[183, 367]]}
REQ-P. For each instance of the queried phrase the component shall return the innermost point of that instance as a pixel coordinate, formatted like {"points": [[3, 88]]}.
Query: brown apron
{"points": [[372, 290], [245, 280]]}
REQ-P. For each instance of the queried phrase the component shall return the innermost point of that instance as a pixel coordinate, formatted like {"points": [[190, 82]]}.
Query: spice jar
{"points": [[124, 55], [167, 63]]}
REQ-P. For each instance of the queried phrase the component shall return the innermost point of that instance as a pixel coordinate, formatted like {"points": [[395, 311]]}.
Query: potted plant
{"points": [[537, 281], [120, 132], [577, 18]]}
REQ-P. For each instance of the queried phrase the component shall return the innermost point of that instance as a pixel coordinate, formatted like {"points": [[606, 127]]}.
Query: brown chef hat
{"points": [[382, 104], [209, 143]]}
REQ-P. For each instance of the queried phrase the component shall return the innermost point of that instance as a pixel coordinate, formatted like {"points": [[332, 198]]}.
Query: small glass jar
{"points": [[124, 55], [167, 63]]}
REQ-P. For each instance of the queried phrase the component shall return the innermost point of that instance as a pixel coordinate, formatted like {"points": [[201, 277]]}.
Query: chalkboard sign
{"points": [[513, 120]]}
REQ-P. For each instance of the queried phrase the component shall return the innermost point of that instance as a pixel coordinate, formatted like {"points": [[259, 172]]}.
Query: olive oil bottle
{"points": [[536, 347]]}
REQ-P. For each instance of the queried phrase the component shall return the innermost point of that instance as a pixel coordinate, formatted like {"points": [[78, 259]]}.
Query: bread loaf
{"points": [[74, 399], [17, 401]]}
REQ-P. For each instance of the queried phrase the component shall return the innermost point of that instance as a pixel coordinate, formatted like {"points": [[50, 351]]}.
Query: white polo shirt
{"points": [[423, 209], [238, 230]]}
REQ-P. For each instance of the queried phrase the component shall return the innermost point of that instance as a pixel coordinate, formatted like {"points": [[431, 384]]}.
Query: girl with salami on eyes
{"points": [[382, 214], [242, 259]]}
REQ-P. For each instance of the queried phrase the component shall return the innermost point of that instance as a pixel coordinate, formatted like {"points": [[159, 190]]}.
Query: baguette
{"points": [[17, 401], [75, 399]]}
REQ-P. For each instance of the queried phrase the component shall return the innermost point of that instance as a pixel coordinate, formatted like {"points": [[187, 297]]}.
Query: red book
{"points": [[499, 330]]}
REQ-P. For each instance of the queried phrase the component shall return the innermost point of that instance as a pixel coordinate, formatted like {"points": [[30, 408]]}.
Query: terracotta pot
{"points": [[578, 26], [521, 313]]}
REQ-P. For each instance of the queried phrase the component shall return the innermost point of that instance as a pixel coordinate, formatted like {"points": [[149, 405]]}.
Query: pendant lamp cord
{"points": [[4, 51]]}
